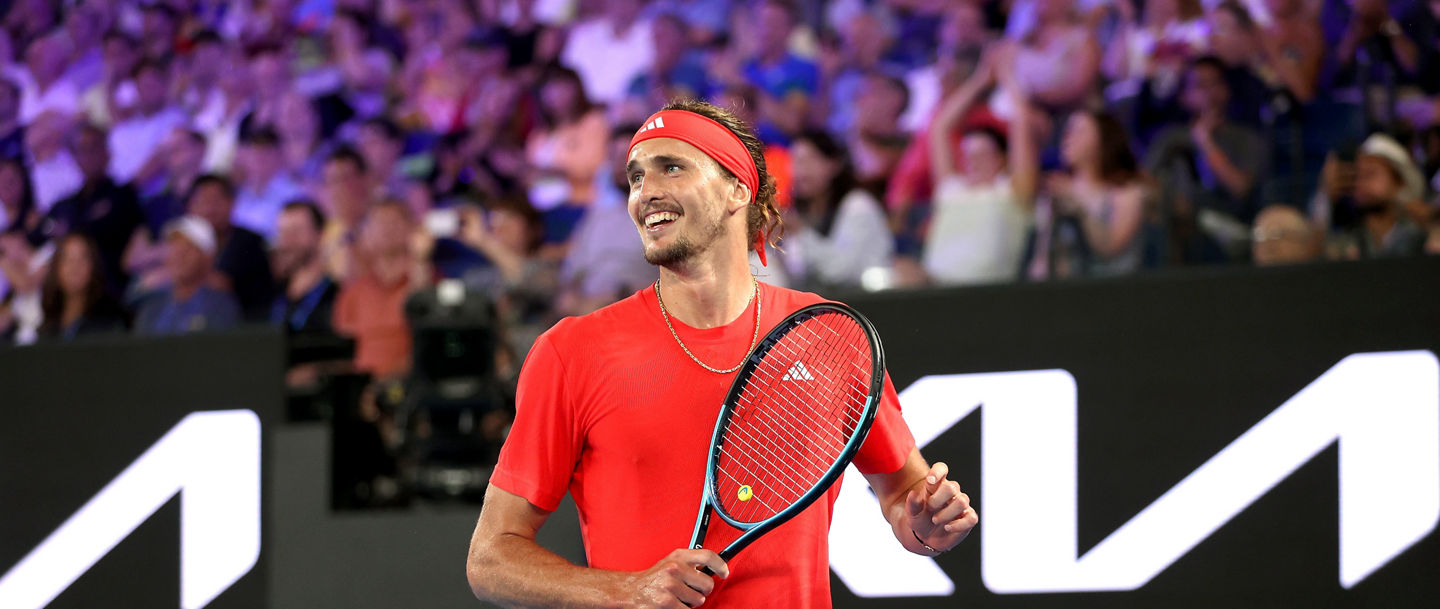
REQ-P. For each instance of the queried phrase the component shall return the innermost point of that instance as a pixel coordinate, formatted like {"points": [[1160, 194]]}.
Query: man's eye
{"points": [[672, 168]]}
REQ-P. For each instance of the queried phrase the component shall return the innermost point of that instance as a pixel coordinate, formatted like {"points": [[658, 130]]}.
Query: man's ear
{"points": [[739, 196]]}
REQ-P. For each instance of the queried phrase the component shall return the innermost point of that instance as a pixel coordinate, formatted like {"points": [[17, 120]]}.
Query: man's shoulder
{"points": [[788, 301]]}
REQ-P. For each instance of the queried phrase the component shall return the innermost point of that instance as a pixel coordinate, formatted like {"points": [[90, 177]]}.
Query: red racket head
{"points": [[797, 413]]}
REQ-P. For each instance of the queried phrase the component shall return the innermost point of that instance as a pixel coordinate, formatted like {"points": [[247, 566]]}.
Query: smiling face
{"points": [[682, 202]]}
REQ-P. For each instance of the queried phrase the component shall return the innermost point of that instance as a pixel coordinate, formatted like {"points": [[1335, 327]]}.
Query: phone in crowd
{"points": [[441, 223]]}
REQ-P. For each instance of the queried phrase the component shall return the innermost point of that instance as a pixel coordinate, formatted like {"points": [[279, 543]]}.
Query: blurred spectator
{"points": [[135, 140], [678, 70], [52, 168], [705, 20], [446, 88], [982, 209], [222, 129], [1056, 62], [1092, 225], [785, 82], [113, 96], [1374, 56], [838, 231], [266, 185], [269, 79], [85, 23], [911, 186], [107, 211], [1387, 182], [860, 56], [1208, 169], [381, 142], [1283, 235], [1422, 25], [521, 281], [17, 198], [73, 295], [201, 71], [347, 197], [240, 254], [876, 141], [301, 145], [1236, 42], [306, 299], [28, 20], [44, 84], [189, 304], [370, 306], [963, 36], [608, 51], [1155, 47], [1292, 49], [566, 150], [22, 270], [159, 29], [363, 63], [182, 154], [12, 133], [606, 259]]}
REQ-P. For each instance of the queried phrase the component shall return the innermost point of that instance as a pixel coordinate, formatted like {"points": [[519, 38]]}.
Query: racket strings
{"points": [[801, 405]]}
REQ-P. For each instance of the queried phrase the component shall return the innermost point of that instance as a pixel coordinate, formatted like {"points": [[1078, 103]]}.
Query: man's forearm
{"points": [[517, 573]]}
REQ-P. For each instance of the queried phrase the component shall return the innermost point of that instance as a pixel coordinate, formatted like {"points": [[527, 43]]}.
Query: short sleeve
{"points": [[543, 447], [890, 441]]}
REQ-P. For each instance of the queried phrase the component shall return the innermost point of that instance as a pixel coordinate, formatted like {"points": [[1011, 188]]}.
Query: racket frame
{"points": [[710, 503]]}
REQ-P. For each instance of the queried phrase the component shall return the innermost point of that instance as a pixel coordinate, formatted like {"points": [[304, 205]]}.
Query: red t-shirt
{"points": [[611, 409]]}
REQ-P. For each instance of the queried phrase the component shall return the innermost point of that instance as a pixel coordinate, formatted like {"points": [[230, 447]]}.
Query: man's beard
{"points": [[683, 249]]}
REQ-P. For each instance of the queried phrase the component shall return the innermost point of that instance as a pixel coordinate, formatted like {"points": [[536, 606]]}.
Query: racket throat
{"points": [[702, 524]]}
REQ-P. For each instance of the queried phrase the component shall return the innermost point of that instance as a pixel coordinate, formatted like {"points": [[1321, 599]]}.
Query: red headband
{"points": [[713, 139]]}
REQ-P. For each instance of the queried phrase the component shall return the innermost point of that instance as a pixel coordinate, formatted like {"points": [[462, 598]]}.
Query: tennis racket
{"points": [[795, 416]]}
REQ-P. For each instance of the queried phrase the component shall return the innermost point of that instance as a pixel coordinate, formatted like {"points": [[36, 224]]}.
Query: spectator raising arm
{"points": [[952, 109], [1024, 156]]}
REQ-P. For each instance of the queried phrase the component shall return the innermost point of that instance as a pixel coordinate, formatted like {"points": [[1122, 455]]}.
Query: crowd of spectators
{"points": [[176, 166]]}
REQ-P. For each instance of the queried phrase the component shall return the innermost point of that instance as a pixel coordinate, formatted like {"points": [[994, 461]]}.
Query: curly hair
{"points": [[763, 215]]}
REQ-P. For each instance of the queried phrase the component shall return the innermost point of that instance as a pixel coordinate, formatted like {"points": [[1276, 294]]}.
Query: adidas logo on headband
{"points": [[658, 123]]}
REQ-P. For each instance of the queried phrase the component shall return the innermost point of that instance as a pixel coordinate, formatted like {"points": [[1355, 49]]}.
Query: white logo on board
{"points": [[1383, 409], [212, 459]]}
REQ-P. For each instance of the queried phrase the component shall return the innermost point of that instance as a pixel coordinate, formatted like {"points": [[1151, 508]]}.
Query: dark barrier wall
{"points": [[1167, 372]]}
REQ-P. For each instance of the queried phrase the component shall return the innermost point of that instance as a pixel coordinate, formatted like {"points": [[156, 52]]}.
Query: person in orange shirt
{"points": [[371, 305]]}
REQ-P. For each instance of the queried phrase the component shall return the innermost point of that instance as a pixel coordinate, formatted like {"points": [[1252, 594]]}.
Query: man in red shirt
{"points": [[617, 408]]}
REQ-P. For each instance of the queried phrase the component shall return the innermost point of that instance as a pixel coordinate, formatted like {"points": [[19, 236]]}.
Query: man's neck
{"points": [[182, 291], [74, 308], [390, 269], [1380, 223], [706, 294], [769, 57], [305, 279], [261, 179]]}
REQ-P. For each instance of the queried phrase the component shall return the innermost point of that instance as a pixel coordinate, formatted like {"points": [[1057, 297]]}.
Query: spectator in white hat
{"points": [[1387, 182], [189, 304]]}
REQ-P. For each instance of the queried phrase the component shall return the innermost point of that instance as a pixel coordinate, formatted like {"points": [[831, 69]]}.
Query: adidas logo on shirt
{"points": [[798, 372]]}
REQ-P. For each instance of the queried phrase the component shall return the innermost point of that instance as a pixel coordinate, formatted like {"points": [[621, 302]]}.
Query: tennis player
{"points": [[618, 407]]}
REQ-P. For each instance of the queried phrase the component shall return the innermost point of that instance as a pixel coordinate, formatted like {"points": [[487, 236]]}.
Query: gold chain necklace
{"points": [[753, 338]]}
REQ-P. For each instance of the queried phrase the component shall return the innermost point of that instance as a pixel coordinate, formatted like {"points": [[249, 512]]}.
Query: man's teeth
{"points": [[660, 216]]}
